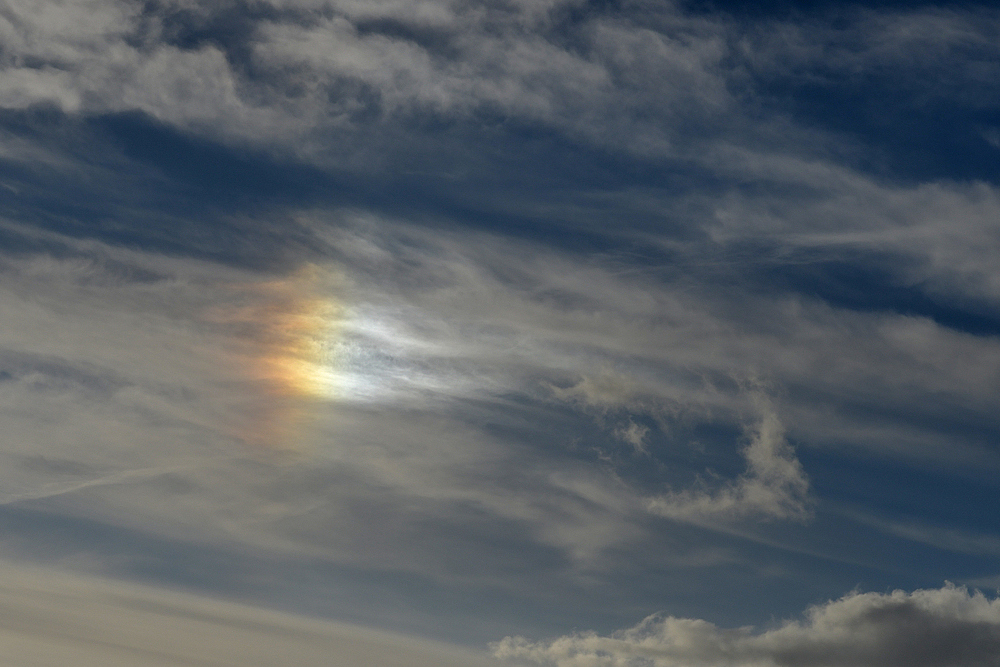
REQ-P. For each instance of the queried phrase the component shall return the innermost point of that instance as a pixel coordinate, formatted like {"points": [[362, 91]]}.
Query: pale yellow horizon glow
{"points": [[52, 619]]}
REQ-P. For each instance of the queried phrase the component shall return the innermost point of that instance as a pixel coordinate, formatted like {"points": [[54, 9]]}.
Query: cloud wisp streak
{"points": [[52, 619]]}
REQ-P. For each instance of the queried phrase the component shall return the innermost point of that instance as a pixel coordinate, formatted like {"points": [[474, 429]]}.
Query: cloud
{"points": [[433, 321], [560, 230], [773, 486], [946, 627], [939, 537], [162, 395], [52, 619], [871, 43], [438, 332], [303, 77], [301, 73], [634, 434], [159, 383], [474, 326]]}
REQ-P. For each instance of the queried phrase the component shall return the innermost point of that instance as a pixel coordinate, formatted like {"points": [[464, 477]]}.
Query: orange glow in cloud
{"points": [[299, 323], [288, 330]]}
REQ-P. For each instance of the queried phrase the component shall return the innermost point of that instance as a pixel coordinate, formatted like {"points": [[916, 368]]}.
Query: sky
{"points": [[560, 333]]}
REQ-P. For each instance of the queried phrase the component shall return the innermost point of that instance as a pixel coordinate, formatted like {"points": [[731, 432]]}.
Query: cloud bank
{"points": [[946, 627]]}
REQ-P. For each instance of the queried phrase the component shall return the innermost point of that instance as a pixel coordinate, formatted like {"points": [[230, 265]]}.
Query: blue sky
{"points": [[575, 333]]}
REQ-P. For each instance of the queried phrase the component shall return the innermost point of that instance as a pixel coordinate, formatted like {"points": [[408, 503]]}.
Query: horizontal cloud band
{"points": [[946, 627]]}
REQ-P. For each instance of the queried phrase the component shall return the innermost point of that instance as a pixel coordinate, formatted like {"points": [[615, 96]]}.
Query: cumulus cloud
{"points": [[946, 627]]}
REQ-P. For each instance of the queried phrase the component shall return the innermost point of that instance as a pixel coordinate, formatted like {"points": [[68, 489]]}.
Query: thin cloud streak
{"points": [[52, 619]]}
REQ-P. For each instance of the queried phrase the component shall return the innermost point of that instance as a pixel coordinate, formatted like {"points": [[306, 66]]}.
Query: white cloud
{"points": [[946, 627], [634, 434], [773, 486], [937, 536], [139, 390]]}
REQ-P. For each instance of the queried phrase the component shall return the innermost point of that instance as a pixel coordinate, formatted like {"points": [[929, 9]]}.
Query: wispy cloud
{"points": [[52, 619], [773, 486], [465, 292]]}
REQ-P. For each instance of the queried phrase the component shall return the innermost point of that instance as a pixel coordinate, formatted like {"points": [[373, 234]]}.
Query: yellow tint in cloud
{"points": [[300, 321], [288, 333]]}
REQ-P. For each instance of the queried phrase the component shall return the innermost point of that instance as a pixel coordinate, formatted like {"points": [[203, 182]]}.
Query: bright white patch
{"points": [[382, 355]]}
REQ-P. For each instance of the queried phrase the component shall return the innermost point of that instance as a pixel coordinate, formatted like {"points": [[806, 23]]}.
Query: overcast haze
{"points": [[554, 332]]}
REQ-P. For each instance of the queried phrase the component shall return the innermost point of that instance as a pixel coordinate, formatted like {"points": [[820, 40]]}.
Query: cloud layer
{"points": [[52, 619], [588, 308]]}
